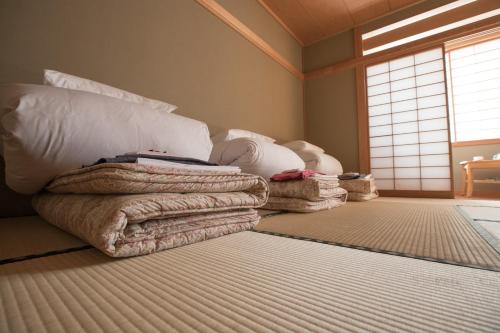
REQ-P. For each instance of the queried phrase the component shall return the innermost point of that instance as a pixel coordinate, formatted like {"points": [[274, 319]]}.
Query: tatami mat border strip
{"points": [[459, 206], [45, 254], [485, 234], [363, 248]]}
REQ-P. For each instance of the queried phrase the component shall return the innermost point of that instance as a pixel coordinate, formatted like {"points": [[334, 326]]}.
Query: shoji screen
{"points": [[408, 123]]}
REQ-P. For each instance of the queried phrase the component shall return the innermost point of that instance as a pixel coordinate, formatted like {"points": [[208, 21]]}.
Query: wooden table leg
{"points": [[464, 180], [470, 182]]}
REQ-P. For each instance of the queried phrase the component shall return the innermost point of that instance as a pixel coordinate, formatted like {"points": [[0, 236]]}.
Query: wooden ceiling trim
{"points": [[216, 9], [280, 21], [454, 15], [416, 46]]}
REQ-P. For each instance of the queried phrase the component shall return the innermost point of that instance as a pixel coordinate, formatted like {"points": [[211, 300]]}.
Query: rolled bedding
{"points": [[321, 162], [124, 224], [256, 156]]}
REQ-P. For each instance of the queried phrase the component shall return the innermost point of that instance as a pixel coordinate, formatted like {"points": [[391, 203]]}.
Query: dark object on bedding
{"points": [[13, 204], [132, 158]]}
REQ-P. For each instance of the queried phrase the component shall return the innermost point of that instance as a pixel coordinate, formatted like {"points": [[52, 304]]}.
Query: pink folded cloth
{"points": [[294, 175]]}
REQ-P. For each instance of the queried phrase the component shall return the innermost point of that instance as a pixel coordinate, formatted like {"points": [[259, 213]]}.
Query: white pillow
{"points": [[232, 134], [300, 145], [62, 80], [47, 131], [256, 156]]}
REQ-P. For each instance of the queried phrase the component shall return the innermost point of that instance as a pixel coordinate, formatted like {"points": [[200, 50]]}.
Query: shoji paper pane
{"points": [[380, 130], [403, 117], [407, 161], [381, 152], [385, 184], [387, 173], [408, 127], [408, 124], [435, 160], [436, 184], [406, 150], [408, 184]]}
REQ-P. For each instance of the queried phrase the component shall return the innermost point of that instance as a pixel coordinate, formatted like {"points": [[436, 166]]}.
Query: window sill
{"points": [[475, 143]]}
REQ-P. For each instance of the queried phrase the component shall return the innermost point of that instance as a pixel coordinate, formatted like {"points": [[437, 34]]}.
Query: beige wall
{"points": [[251, 13], [330, 119], [329, 51], [172, 50]]}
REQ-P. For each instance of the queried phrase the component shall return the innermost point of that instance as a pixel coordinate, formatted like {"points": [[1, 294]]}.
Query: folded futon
{"points": [[307, 195], [130, 209]]}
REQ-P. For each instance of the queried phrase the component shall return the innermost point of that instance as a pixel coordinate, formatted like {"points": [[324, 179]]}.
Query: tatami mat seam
{"points": [[363, 248]]}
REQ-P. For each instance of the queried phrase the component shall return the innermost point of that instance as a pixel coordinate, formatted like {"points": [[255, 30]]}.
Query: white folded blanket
{"points": [[256, 156]]}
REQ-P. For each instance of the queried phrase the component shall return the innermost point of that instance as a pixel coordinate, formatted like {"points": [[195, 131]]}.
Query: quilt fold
{"points": [[304, 206], [312, 189], [111, 222], [127, 178], [153, 208]]}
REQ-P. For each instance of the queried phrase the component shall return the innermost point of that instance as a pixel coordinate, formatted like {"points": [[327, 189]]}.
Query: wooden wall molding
{"points": [[476, 143], [402, 50], [461, 13], [226, 17]]}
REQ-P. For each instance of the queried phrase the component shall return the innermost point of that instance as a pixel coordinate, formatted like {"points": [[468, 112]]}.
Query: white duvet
{"points": [[256, 156]]}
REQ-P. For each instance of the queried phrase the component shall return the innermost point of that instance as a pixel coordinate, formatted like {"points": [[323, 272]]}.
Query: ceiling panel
{"points": [[313, 20]]}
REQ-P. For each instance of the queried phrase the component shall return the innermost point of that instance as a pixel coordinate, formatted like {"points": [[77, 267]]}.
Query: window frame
{"points": [[458, 44]]}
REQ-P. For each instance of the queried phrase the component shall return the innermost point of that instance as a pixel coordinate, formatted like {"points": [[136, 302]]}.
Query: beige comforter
{"points": [[306, 196], [312, 189], [305, 206], [112, 178], [124, 225]]}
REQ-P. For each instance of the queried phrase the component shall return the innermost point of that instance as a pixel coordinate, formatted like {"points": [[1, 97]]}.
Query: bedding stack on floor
{"points": [[128, 209], [304, 192], [361, 189]]}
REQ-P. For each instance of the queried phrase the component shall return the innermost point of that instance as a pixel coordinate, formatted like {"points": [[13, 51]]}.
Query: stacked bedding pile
{"points": [[129, 209], [360, 189], [304, 191], [301, 190]]}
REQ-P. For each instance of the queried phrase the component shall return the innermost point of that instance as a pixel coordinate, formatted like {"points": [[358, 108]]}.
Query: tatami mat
{"points": [[482, 213], [31, 236], [247, 282], [421, 230]]}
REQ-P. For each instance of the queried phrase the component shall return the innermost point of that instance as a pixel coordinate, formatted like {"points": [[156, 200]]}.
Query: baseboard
{"points": [[481, 194]]}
